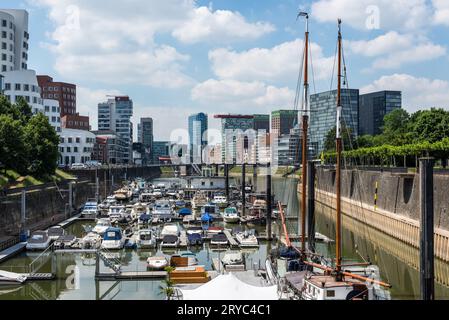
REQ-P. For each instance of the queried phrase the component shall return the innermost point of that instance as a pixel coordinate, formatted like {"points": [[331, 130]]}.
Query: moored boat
{"points": [[39, 240], [113, 239], [231, 215]]}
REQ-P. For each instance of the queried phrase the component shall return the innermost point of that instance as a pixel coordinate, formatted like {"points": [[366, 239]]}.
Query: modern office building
{"points": [[114, 115], [373, 107], [323, 107], [14, 40], [233, 126], [282, 121], [51, 110], [109, 148], [161, 151], [145, 137], [64, 92], [76, 146], [23, 84], [198, 124], [262, 122]]}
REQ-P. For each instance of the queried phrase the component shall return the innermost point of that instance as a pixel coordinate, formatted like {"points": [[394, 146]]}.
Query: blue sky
{"points": [[177, 57]]}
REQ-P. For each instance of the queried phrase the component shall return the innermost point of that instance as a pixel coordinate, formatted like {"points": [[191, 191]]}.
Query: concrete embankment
{"points": [[49, 204], [397, 208]]}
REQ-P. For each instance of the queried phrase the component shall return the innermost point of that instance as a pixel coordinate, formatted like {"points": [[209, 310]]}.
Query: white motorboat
{"points": [[90, 209], [157, 263], [231, 215], [55, 232], [219, 239], [247, 239], [170, 241], [199, 200], [118, 213], [110, 201], [91, 241], [146, 197], [123, 194], [232, 258], [138, 209], [195, 230], [163, 210], [102, 225], [146, 239], [39, 240], [170, 229], [221, 201], [113, 239]]}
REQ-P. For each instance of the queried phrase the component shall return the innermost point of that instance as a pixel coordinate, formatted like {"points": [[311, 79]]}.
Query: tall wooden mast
{"points": [[305, 125], [338, 246]]}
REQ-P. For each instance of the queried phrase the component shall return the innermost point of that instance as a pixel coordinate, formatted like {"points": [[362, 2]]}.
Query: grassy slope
{"points": [[13, 180]]}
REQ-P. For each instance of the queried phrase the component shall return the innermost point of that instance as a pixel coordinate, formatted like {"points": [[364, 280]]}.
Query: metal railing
{"points": [[41, 260]]}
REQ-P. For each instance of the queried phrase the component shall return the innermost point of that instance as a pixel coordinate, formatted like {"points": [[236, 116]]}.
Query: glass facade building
{"points": [[146, 138], [373, 107], [232, 127], [282, 121], [198, 124], [115, 115], [323, 111]]}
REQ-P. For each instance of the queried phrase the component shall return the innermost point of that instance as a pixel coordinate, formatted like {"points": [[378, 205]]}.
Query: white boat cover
{"points": [[11, 276], [229, 287]]}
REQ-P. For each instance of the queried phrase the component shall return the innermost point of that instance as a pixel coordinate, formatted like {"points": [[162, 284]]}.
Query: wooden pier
{"points": [[232, 242]]}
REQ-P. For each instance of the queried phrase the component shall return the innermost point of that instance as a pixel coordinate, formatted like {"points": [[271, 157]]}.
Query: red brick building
{"points": [[75, 121], [65, 93]]}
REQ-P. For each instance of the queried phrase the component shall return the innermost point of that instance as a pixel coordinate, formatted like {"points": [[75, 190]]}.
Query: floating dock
{"points": [[12, 251], [232, 242], [132, 275]]}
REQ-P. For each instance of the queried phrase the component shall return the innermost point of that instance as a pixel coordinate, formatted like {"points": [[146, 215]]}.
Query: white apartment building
{"points": [[23, 83], [76, 146], [13, 40], [53, 113]]}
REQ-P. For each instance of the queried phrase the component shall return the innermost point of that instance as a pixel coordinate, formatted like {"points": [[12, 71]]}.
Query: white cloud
{"points": [[441, 14], [417, 93], [393, 14], [394, 49], [114, 41], [261, 64], [219, 26], [235, 95]]}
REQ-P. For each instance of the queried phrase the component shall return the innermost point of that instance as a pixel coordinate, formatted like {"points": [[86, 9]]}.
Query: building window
{"points": [[70, 140], [26, 87], [18, 87], [4, 46], [62, 139], [75, 149], [4, 57], [47, 109], [69, 149], [4, 35], [7, 86], [53, 109], [78, 140], [3, 68], [34, 100], [4, 23]]}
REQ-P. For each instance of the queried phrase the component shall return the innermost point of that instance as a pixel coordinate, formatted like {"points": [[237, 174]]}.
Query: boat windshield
{"points": [[230, 210]]}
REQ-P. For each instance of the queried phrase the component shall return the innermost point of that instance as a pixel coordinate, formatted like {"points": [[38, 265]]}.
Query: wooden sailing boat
{"points": [[326, 282]]}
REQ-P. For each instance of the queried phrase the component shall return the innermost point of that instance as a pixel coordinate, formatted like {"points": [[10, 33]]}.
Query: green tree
{"points": [[12, 148], [348, 141], [24, 110], [42, 146], [396, 128], [430, 125]]}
